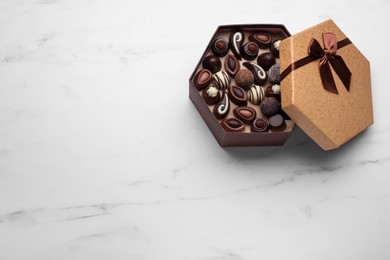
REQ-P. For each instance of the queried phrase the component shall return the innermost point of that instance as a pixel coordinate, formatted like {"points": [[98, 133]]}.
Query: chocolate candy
{"points": [[274, 74], [211, 95], [249, 51], [262, 39], [221, 110], [202, 79], [233, 125], [270, 106], [275, 48], [256, 95], [220, 47], [244, 78], [273, 91], [231, 65], [259, 74], [221, 80], [266, 60], [277, 123], [238, 96], [235, 41], [259, 125], [245, 114], [212, 63]]}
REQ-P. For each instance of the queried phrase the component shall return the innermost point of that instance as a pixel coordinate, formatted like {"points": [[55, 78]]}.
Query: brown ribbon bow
{"points": [[328, 55]]}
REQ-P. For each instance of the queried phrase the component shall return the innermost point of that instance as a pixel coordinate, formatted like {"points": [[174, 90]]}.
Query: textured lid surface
{"points": [[330, 119]]}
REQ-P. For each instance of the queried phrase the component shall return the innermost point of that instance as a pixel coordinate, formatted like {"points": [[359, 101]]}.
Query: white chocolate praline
{"points": [[221, 80], [256, 94], [276, 88], [276, 44], [212, 91]]}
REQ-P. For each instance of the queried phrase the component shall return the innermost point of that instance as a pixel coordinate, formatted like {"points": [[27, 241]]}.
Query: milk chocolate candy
{"points": [[220, 47], [233, 125], [231, 65], [202, 79], [245, 114], [238, 96], [262, 39], [249, 51], [244, 78]]}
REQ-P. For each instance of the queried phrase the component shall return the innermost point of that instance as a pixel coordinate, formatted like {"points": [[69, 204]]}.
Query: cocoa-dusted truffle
{"points": [[274, 74], [266, 60], [270, 106], [244, 78], [212, 63]]}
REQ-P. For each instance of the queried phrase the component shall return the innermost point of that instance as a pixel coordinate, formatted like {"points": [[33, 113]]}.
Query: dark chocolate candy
{"points": [[202, 79], [270, 106], [256, 94], [262, 39], [238, 96], [245, 114], [260, 76], [233, 125], [274, 74], [266, 60], [273, 91], [275, 48], [235, 41], [249, 51], [260, 125], [221, 80], [211, 95], [220, 47], [212, 63], [277, 123], [231, 65], [221, 110], [244, 78]]}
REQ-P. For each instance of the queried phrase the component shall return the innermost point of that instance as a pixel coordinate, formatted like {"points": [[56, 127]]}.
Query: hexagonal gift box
{"points": [[243, 122], [254, 82]]}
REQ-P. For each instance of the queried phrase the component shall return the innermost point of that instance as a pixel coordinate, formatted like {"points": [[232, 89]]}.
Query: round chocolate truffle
{"points": [[277, 123], [266, 60], [211, 95], [274, 74], [212, 63], [220, 47], [270, 106], [244, 78], [275, 48], [249, 51], [273, 91]]}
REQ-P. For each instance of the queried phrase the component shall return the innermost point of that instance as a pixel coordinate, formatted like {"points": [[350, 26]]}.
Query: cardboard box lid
{"points": [[330, 116]]}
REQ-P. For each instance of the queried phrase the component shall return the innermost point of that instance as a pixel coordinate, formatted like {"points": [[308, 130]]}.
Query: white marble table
{"points": [[103, 156]]}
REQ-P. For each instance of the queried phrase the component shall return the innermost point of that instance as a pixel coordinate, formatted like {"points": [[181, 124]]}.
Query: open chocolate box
{"points": [[255, 81]]}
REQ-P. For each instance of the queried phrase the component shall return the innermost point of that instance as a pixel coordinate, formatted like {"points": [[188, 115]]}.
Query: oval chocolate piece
{"points": [[258, 72], [238, 96], [277, 123], [262, 39], [231, 65], [235, 41], [220, 47], [259, 125], [249, 51], [221, 110], [202, 79], [245, 114], [233, 125]]}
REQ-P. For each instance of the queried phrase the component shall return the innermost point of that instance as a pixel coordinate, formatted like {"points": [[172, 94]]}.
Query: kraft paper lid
{"points": [[329, 118]]}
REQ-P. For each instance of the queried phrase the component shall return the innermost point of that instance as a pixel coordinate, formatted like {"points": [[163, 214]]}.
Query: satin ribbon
{"points": [[327, 57]]}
